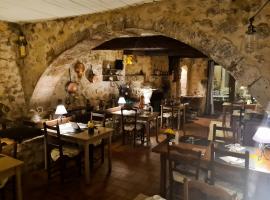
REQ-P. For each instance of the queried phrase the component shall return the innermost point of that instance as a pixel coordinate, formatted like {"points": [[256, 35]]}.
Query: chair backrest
{"points": [[8, 149], [99, 118], [168, 110], [235, 172], [224, 135], [184, 161], [52, 137], [194, 190], [128, 117]]}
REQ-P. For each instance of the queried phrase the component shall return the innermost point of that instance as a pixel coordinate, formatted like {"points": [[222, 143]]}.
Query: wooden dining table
{"points": [[145, 116], [84, 140], [255, 164], [9, 167]]}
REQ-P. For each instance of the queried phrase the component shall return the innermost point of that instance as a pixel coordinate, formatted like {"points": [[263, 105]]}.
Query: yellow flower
{"points": [[90, 124], [169, 131]]}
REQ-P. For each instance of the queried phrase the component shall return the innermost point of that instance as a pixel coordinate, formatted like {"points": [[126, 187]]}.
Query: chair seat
{"points": [[67, 151], [167, 115], [131, 127], [178, 177], [3, 182]]}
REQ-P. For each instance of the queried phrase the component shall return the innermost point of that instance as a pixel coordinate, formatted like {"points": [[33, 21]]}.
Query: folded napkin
{"points": [[233, 160], [235, 148]]}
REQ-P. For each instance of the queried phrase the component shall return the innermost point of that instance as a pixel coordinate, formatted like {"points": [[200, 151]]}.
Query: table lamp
{"points": [[121, 101], [60, 110], [262, 136]]}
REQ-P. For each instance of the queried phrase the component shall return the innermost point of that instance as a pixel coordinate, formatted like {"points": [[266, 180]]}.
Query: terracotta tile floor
{"points": [[135, 170]]}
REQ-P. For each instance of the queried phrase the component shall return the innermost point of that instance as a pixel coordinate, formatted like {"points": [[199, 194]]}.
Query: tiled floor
{"points": [[135, 170]]}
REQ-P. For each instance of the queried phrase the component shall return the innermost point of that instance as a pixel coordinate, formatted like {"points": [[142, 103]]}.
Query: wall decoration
{"points": [[90, 74], [71, 86], [79, 68]]}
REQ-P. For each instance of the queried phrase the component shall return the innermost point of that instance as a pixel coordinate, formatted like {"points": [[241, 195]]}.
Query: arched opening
{"points": [[151, 67]]}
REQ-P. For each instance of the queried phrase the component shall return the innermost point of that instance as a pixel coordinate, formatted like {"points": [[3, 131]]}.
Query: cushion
{"points": [[67, 151], [178, 177], [131, 127]]}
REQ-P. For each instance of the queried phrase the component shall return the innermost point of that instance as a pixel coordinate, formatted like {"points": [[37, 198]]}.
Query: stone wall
{"points": [[216, 28], [11, 91], [52, 85], [147, 72], [197, 79]]}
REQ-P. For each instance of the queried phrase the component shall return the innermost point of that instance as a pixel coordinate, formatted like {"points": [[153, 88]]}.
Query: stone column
{"points": [[178, 80]]}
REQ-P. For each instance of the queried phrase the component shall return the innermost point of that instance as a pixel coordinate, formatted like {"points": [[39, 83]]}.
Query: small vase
{"points": [[91, 131]]}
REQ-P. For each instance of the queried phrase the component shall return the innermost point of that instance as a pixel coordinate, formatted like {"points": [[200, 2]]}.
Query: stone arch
{"points": [[200, 32]]}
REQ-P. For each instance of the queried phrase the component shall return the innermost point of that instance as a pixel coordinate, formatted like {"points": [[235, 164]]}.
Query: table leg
{"points": [[45, 155], [178, 119], [163, 172], [18, 183], [184, 114], [86, 163], [161, 114], [109, 154], [157, 130], [148, 133]]}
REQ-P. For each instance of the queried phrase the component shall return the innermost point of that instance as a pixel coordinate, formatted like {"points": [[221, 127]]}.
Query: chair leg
{"points": [[49, 169], [123, 138], [62, 171], [79, 164], [134, 139], [102, 151], [14, 191], [91, 157], [171, 192]]}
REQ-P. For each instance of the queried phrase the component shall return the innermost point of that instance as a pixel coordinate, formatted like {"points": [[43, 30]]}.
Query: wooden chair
{"points": [[195, 190], [223, 134], [99, 119], [183, 163], [168, 114], [130, 126], [9, 150], [231, 176], [237, 119], [57, 152]]}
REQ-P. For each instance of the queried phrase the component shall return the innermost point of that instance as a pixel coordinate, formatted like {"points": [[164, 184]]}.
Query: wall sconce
{"points": [[251, 36], [22, 45]]}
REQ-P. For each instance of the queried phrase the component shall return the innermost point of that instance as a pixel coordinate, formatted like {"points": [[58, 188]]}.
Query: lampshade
{"points": [[121, 100], [60, 110], [262, 135]]}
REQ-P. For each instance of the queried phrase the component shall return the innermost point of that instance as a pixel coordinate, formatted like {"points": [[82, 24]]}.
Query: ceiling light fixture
{"points": [[251, 39]]}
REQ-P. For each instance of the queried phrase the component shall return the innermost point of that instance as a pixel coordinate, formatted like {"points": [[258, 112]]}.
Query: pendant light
{"points": [[251, 34]]}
